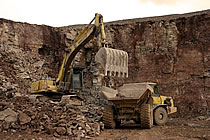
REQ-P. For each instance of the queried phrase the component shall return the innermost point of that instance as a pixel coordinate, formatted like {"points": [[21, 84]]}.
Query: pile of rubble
{"points": [[54, 118]]}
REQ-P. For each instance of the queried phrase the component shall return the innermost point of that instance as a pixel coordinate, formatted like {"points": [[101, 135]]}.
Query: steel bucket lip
{"points": [[113, 61]]}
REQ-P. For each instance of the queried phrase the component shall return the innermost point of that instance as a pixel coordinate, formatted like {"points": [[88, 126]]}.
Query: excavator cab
{"points": [[77, 78], [73, 80]]}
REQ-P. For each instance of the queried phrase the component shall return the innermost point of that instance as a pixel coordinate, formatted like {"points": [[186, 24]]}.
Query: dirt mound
{"points": [[19, 114]]}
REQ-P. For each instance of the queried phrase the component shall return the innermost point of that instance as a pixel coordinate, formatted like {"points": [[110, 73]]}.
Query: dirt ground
{"points": [[176, 129]]}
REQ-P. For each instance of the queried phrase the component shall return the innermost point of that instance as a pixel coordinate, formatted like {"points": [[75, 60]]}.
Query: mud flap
{"points": [[114, 62]]}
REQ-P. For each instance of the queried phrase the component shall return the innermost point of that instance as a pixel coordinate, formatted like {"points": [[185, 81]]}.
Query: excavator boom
{"points": [[114, 62]]}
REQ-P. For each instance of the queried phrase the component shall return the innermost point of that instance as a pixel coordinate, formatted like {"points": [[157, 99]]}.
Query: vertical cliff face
{"points": [[27, 52], [174, 51], [171, 50]]}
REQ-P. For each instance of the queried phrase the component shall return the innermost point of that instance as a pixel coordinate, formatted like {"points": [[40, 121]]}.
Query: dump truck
{"points": [[70, 78], [140, 102]]}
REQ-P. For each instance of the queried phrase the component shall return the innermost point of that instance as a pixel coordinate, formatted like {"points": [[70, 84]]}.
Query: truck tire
{"points": [[146, 116], [108, 117], [160, 116]]}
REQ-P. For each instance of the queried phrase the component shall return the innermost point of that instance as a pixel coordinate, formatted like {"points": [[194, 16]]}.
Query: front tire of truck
{"points": [[160, 116], [108, 117], [146, 116]]}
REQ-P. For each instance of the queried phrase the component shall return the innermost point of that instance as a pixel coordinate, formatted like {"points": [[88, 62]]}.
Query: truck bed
{"points": [[127, 92]]}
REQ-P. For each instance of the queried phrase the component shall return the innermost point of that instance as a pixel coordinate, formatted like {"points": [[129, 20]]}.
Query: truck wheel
{"points": [[146, 116], [108, 117], [160, 116]]}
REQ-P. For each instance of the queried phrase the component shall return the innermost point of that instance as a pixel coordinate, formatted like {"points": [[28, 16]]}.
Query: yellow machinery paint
{"points": [[159, 100], [68, 77]]}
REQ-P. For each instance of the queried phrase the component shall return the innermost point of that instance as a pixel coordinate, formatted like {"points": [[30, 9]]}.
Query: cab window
{"points": [[155, 88]]}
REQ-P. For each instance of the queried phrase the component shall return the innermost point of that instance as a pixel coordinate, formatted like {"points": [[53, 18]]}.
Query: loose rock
{"points": [[8, 115], [61, 130], [23, 118]]}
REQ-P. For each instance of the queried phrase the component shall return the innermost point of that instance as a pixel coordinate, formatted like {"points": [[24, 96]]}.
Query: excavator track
{"points": [[108, 117], [146, 116]]}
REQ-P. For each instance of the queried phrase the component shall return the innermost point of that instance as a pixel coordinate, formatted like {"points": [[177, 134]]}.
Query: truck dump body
{"points": [[128, 93]]}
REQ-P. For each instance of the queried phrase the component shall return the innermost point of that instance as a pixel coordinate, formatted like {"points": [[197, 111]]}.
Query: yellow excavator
{"points": [[69, 80]]}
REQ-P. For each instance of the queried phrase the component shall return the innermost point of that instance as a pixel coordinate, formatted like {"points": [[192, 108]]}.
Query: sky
{"points": [[70, 12]]}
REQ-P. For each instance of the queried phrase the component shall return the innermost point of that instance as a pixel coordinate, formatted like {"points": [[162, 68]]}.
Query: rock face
{"points": [[27, 53], [173, 50]]}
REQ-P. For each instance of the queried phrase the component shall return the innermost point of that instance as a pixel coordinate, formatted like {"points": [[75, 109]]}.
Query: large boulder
{"points": [[8, 115]]}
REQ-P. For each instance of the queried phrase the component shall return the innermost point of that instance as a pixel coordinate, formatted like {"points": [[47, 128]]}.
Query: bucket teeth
{"points": [[115, 62]]}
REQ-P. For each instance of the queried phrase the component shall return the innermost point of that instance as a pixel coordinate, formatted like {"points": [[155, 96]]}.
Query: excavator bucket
{"points": [[114, 62]]}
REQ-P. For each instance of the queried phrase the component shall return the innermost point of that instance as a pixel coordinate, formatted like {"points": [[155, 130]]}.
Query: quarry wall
{"points": [[171, 50]]}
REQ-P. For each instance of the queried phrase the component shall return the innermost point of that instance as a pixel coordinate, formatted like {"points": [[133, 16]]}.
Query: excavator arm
{"points": [[88, 33], [114, 62]]}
